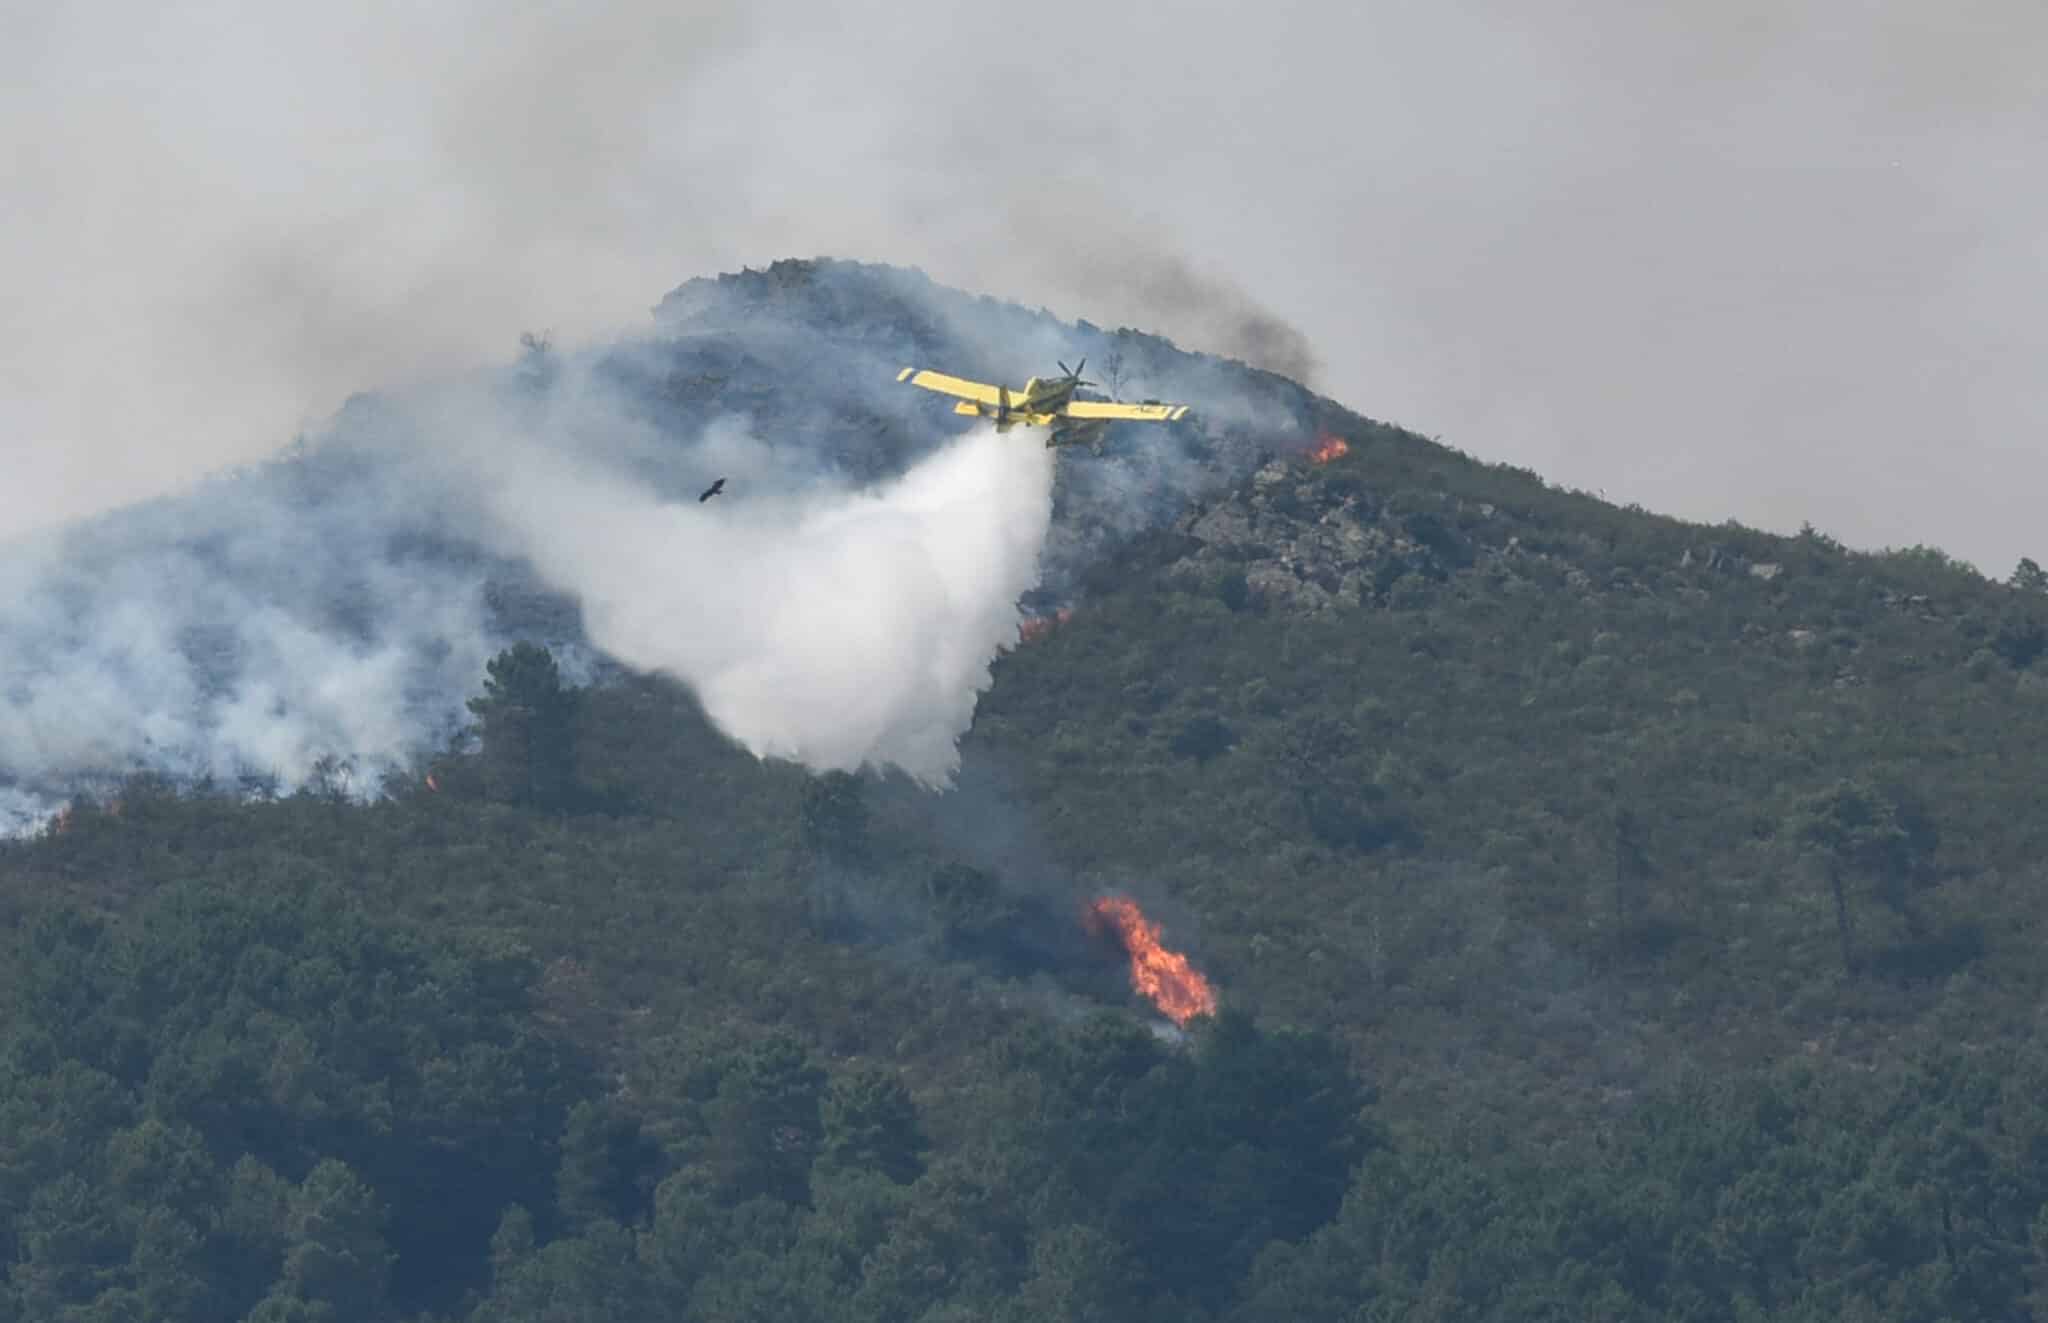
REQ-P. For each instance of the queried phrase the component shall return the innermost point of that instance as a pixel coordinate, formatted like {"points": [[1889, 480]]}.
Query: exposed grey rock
{"points": [[1224, 526], [1278, 584]]}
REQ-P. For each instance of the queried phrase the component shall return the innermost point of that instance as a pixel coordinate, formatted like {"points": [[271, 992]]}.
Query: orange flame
{"points": [[1327, 448], [1165, 977], [433, 783], [1036, 628]]}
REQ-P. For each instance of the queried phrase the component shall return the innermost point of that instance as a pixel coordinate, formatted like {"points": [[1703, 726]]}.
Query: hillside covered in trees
{"points": [[1611, 918]]}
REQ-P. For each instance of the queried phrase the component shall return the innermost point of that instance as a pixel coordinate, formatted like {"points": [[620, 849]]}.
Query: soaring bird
{"points": [[712, 491]]}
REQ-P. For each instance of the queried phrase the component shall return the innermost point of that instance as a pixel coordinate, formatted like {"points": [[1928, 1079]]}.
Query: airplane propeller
{"points": [[1074, 373]]}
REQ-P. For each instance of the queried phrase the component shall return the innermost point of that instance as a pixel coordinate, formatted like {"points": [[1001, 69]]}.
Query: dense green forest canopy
{"points": [[1612, 917]]}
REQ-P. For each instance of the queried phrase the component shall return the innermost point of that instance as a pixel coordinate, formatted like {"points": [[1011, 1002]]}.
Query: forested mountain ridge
{"points": [[1612, 916]]}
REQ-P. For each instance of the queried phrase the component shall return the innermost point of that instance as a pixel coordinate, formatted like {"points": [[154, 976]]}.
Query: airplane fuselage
{"points": [[1042, 396], [1045, 396]]}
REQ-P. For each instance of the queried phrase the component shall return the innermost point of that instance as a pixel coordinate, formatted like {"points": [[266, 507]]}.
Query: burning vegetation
{"points": [[1327, 448], [1037, 627], [1164, 976]]}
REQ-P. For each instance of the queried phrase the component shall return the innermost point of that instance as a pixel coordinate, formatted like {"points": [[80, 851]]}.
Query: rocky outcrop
{"points": [[1304, 542]]}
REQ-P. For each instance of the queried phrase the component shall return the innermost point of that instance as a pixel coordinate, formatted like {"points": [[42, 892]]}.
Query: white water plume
{"points": [[834, 626]]}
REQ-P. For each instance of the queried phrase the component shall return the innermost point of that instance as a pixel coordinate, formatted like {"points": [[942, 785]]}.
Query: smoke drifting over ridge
{"points": [[343, 219], [839, 605], [1726, 260]]}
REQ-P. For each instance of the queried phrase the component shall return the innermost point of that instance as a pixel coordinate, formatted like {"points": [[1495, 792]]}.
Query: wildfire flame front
{"points": [[1327, 448], [1037, 627], [1165, 977]]}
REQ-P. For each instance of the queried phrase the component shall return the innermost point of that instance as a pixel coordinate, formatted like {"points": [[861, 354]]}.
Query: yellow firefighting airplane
{"points": [[1044, 402]]}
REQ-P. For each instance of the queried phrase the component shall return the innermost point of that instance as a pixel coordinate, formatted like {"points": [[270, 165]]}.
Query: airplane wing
{"points": [[1158, 413], [945, 385]]}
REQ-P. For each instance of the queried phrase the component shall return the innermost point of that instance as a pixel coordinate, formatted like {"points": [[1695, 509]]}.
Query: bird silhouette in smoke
{"points": [[712, 491]]}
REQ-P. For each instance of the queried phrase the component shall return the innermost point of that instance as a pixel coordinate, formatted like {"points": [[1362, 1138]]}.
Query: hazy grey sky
{"points": [[1769, 261]]}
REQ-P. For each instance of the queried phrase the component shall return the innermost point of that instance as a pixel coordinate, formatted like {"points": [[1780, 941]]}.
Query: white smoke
{"points": [[241, 634]]}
